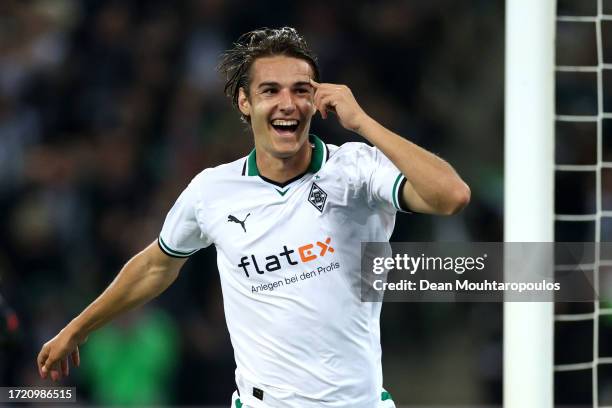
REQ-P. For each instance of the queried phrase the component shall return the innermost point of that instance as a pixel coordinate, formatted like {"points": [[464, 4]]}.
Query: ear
{"points": [[243, 102]]}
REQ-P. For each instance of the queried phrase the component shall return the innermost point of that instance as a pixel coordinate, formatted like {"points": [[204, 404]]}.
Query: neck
{"points": [[282, 169]]}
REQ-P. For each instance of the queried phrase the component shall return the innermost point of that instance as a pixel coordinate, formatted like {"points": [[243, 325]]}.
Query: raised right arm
{"points": [[143, 277]]}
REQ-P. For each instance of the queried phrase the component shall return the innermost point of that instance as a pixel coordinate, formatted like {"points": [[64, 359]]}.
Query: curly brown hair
{"points": [[236, 62]]}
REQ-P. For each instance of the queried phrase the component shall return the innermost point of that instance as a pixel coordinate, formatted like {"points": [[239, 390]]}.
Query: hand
{"points": [[53, 357], [340, 100]]}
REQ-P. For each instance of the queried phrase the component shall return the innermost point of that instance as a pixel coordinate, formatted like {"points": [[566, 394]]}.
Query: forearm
{"points": [[433, 179], [432, 185], [140, 280]]}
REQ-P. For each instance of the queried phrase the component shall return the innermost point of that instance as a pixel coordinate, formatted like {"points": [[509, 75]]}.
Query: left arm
{"points": [[432, 186]]}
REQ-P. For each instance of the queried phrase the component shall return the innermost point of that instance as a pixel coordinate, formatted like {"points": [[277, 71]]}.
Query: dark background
{"points": [[109, 108]]}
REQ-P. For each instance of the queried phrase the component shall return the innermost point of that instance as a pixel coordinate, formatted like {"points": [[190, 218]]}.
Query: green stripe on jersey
{"points": [[385, 395], [281, 192], [173, 251], [318, 155], [252, 164], [316, 161], [396, 192]]}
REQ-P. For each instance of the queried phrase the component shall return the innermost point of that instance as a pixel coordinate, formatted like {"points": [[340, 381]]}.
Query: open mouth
{"points": [[285, 127]]}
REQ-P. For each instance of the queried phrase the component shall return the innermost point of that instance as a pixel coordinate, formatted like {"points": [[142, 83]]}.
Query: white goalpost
{"points": [[529, 192]]}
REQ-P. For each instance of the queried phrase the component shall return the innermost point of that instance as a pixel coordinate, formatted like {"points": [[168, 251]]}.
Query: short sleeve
{"points": [[181, 234], [386, 182]]}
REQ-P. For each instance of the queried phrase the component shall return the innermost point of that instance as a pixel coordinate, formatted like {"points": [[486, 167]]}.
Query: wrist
{"points": [[75, 331], [364, 124]]}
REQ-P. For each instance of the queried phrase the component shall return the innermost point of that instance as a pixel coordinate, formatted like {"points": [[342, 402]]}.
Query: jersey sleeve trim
{"points": [[398, 187], [172, 252], [385, 395]]}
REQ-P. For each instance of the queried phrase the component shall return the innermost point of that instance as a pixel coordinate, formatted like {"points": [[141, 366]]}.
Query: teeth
{"points": [[279, 122]]}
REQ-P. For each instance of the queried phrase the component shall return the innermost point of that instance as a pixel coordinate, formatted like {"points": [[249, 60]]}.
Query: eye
{"points": [[302, 91], [269, 91]]}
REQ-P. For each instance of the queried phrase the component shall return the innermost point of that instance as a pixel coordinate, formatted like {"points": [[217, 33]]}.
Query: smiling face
{"points": [[279, 104]]}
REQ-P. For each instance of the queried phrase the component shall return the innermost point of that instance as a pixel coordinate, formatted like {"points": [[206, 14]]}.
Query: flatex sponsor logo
{"points": [[287, 256]]}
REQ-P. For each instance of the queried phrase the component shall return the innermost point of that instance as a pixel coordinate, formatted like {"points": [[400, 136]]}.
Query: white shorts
{"points": [[385, 401]]}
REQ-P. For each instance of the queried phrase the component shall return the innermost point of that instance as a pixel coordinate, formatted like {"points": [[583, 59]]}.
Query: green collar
{"points": [[319, 155]]}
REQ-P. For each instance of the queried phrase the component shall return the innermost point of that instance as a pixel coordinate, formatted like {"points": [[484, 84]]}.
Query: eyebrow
{"points": [[272, 83]]}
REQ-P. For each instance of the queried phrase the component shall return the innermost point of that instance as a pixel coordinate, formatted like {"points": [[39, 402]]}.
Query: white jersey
{"points": [[289, 261]]}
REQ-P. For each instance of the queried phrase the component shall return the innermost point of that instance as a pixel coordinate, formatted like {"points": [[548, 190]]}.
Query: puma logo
{"points": [[231, 218]]}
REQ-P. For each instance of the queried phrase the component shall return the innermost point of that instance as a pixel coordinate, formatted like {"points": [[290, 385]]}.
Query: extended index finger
{"points": [[314, 83]]}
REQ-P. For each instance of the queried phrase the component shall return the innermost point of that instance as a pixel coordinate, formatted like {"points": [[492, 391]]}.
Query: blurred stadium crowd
{"points": [[109, 108]]}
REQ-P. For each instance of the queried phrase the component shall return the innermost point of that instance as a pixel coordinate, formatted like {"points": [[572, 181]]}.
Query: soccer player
{"points": [[287, 221]]}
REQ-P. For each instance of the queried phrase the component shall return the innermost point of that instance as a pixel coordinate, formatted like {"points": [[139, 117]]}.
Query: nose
{"points": [[286, 104]]}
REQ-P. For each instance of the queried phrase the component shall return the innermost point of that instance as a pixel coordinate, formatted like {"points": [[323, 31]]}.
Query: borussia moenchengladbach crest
{"points": [[317, 197]]}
